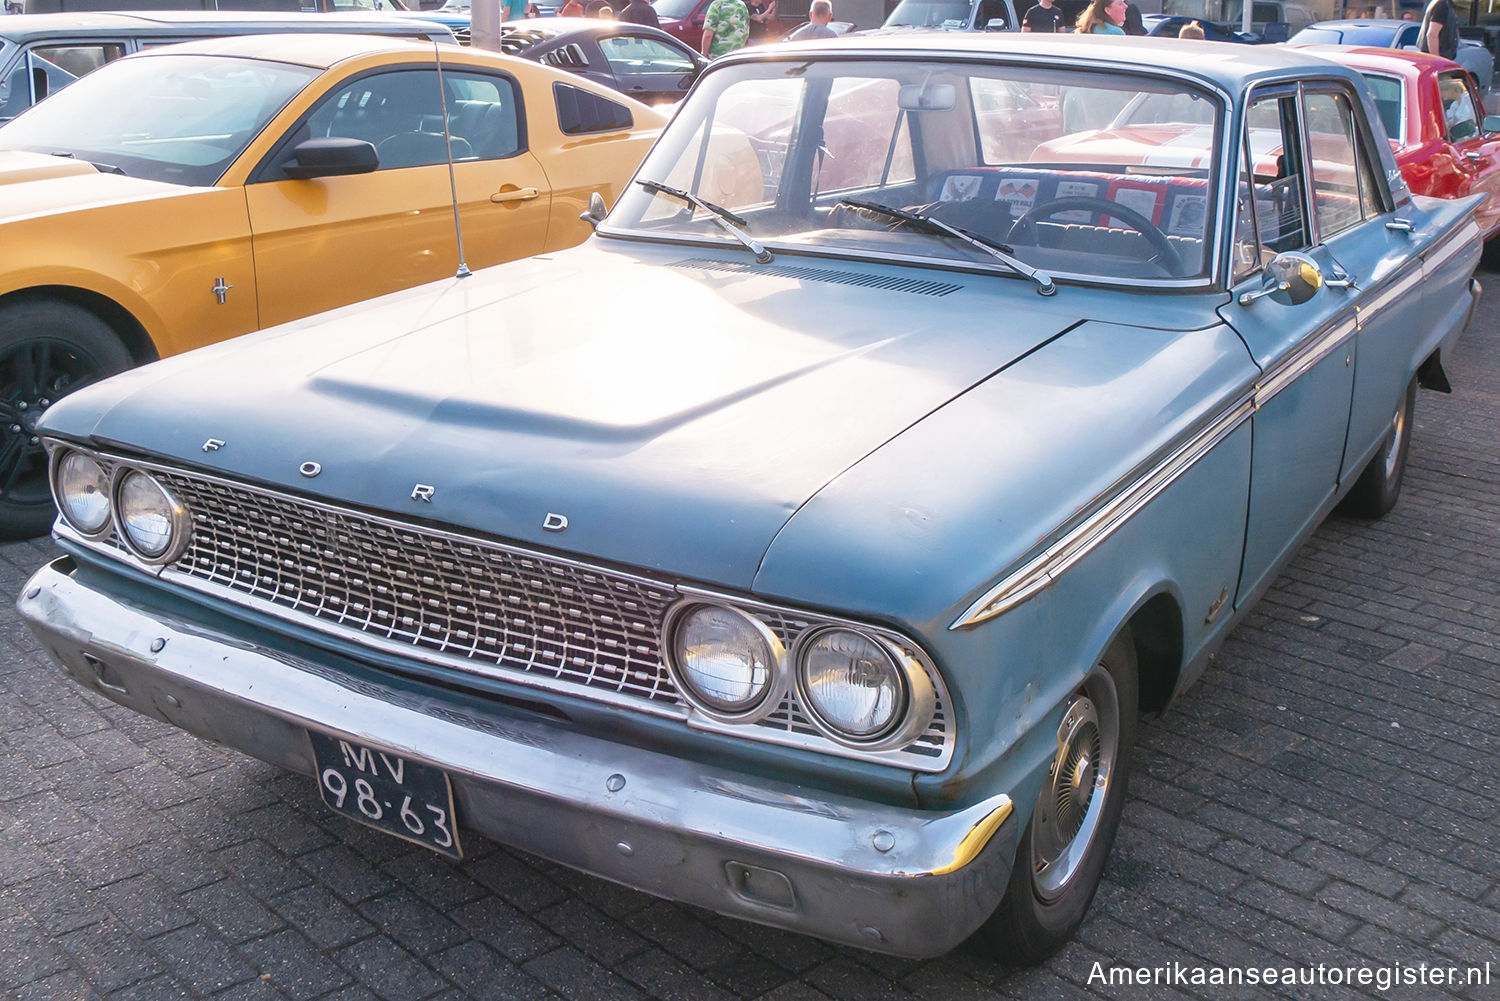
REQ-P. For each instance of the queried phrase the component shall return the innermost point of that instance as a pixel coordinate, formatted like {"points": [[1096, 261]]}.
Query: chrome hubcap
{"points": [[1071, 804], [1393, 451]]}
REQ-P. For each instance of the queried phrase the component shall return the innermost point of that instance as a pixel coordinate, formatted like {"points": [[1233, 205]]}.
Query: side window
{"points": [[53, 67], [1343, 187], [1388, 101], [1460, 116], [629, 55], [401, 114], [80, 59], [1274, 149], [866, 140]]}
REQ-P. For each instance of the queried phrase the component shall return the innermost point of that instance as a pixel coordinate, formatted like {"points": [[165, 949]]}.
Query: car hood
{"points": [[33, 184], [676, 407]]}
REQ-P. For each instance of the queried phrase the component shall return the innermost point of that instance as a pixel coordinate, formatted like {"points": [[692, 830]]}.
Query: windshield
{"points": [[182, 119], [928, 14], [1080, 173]]}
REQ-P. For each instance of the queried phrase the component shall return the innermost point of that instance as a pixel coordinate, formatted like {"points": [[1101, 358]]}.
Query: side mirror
{"points": [[1295, 278], [1491, 123], [334, 156], [996, 24], [596, 213]]}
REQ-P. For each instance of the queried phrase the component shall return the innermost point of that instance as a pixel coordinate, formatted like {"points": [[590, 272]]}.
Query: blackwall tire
{"points": [[1066, 843], [47, 350], [1379, 483]]}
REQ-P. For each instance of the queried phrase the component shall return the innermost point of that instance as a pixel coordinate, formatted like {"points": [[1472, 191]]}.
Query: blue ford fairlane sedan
{"points": [[807, 544]]}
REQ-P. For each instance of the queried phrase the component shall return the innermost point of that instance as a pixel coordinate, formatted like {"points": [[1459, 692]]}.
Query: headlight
{"points": [[149, 519], [861, 690], [82, 492], [727, 663]]}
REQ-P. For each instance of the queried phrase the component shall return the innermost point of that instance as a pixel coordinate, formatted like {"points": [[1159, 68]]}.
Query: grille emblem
{"points": [[423, 492], [555, 522], [213, 444]]}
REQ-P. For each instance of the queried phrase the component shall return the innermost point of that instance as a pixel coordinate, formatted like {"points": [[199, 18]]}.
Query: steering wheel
{"points": [[1023, 230]]}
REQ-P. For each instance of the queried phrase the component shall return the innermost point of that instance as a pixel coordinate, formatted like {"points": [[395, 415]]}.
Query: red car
{"points": [[1445, 145]]}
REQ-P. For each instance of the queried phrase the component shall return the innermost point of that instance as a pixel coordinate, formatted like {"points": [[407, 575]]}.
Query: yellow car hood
{"points": [[17, 165], [55, 184]]}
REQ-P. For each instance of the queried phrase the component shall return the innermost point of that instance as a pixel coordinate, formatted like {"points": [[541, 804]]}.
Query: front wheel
{"points": [[1379, 484], [47, 350], [1063, 850]]}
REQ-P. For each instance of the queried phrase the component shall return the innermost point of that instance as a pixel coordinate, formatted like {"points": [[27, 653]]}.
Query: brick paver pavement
{"points": [[1328, 794]]}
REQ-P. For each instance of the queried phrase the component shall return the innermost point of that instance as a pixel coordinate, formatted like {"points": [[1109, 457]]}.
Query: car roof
{"points": [[22, 28], [544, 29], [313, 49], [1402, 62], [1230, 69]]}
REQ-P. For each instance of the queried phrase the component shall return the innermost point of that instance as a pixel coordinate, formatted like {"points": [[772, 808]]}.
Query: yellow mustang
{"points": [[189, 194]]}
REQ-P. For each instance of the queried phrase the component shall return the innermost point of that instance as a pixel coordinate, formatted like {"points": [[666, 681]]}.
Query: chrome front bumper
{"points": [[902, 881]]}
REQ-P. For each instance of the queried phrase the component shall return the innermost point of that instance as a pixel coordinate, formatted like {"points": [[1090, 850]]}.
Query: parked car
{"points": [[646, 63], [1445, 145], [960, 15], [803, 550], [1171, 25], [42, 53], [1386, 33], [188, 194]]}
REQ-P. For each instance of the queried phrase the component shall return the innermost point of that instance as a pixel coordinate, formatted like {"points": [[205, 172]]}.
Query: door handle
{"points": [[1473, 157], [1399, 226], [1339, 279], [514, 195]]}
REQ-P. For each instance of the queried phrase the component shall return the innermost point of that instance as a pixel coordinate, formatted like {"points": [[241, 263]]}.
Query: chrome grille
{"points": [[487, 605], [472, 604]]}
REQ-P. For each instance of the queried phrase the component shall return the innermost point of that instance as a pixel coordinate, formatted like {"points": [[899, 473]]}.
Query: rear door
{"points": [[330, 241]]}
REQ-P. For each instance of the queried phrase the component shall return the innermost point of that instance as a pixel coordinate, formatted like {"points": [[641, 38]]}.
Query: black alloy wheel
{"points": [[47, 350]]}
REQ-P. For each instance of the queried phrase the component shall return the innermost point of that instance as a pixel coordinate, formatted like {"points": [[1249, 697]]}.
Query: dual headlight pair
{"points": [[144, 514], [858, 687]]}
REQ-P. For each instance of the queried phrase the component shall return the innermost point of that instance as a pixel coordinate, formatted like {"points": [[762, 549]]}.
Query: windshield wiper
{"points": [[994, 248], [726, 219]]}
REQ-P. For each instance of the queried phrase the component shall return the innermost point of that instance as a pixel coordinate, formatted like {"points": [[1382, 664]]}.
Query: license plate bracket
{"points": [[386, 791]]}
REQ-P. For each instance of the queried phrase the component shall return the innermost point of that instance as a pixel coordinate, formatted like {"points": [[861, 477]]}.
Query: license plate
{"points": [[387, 792]]}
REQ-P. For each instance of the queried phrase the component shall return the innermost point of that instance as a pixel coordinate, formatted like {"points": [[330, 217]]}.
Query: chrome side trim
{"points": [[1312, 350], [1388, 292], [1110, 512]]}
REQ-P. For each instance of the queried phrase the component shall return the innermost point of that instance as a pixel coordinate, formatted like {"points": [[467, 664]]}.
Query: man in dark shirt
{"points": [[640, 12], [1045, 17], [1439, 32]]}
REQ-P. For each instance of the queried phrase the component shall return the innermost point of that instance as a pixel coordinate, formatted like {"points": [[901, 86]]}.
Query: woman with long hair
{"points": [[1102, 17]]}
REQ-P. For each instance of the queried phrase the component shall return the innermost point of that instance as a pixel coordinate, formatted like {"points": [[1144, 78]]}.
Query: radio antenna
{"points": [[458, 226]]}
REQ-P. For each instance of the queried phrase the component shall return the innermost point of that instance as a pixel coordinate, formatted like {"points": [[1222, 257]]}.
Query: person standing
{"points": [[726, 27], [1045, 17], [819, 13], [1441, 40], [1103, 17], [571, 9], [762, 16], [641, 12], [1133, 25]]}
